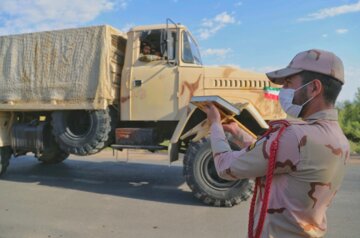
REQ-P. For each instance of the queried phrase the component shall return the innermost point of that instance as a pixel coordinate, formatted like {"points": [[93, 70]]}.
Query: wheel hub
{"points": [[210, 176]]}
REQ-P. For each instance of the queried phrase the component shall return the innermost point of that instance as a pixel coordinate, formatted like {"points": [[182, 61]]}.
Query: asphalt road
{"points": [[106, 196]]}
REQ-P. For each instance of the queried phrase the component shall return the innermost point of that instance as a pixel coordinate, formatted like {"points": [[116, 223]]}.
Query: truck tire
{"points": [[81, 132], [114, 118], [201, 176], [53, 155], [5, 155]]}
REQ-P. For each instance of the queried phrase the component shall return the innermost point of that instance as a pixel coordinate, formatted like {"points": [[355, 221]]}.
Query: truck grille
{"points": [[240, 83]]}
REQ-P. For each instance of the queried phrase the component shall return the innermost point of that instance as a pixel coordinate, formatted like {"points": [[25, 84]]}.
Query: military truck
{"points": [[78, 91]]}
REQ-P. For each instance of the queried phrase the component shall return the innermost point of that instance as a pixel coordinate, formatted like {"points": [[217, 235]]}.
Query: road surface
{"points": [[111, 196]]}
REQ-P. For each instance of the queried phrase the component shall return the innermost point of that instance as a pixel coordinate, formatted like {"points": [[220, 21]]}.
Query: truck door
{"points": [[154, 82], [191, 71]]}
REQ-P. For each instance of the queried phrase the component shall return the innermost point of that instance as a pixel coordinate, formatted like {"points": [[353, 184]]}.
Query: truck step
{"points": [[151, 148]]}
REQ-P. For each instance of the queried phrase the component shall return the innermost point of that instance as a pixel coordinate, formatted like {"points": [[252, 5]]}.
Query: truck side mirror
{"points": [[170, 42], [170, 46]]}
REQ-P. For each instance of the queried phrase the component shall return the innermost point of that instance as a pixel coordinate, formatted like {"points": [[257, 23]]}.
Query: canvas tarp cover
{"points": [[68, 68]]}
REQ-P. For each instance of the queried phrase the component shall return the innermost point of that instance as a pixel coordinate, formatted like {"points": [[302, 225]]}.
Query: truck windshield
{"points": [[190, 52]]}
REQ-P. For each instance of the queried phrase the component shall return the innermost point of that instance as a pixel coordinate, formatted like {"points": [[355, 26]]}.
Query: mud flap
{"points": [[5, 155], [173, 152]]}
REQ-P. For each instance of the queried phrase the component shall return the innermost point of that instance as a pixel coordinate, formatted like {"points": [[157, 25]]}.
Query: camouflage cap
{"points": [[314, 60]]}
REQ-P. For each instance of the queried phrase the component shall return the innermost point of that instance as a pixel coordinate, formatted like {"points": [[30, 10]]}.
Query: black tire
{"points": [[206, 185], [52, 153], [81, 132], [5, 155], [53, 156], [114, 118]]}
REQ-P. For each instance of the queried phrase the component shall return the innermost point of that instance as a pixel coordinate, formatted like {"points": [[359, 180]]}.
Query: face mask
{"points": [[286, 97]]}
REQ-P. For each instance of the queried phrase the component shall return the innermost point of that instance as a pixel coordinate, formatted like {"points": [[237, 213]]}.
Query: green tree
{"points": [[349, 119]]}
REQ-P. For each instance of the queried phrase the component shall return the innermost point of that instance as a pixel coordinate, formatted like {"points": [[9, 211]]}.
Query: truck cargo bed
{"points": [[64, 69]]}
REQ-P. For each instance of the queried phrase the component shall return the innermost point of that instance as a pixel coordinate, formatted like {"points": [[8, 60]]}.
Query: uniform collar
{"points": [[328, 114]]}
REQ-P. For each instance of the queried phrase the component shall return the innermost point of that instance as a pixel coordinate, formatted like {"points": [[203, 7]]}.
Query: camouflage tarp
{"points": [[73, 68]]}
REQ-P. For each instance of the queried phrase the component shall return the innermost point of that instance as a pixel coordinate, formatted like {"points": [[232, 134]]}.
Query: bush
{"points": [[355, 147], [349, 119]]}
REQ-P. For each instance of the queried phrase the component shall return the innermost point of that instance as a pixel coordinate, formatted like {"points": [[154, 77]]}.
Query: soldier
{"points": [[146, 49], [147, 54], [299, 163]]}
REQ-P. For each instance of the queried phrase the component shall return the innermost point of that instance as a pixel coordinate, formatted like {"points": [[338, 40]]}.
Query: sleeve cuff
{"points": [[219, 143]]}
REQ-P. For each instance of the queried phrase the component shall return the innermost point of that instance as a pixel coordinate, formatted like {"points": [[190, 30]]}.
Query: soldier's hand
{"points": [[232, 128], [239, 135], [212, 113]]}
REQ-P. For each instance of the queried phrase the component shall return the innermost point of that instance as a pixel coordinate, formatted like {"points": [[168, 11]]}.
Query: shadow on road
{"points": [[154, 182]]}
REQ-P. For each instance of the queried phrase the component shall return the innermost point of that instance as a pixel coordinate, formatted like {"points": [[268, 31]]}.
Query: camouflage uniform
{"points": [[308, 172], [310, 161]]}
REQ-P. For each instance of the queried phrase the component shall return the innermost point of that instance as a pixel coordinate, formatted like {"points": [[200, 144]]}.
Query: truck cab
{"points": [[160, 89]]}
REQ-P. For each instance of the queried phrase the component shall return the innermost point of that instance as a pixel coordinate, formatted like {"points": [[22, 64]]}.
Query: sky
{"points": [[258, 35]]}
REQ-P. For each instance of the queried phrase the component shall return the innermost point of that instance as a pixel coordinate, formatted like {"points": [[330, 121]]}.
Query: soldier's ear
{"points": [[317, 87]]}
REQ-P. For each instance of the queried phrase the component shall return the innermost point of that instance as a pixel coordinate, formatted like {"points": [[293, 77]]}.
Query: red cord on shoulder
{"points": [[269, 176]]}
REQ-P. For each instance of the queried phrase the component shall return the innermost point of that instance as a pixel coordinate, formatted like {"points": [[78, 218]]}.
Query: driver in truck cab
{"points": [[149, 54]]}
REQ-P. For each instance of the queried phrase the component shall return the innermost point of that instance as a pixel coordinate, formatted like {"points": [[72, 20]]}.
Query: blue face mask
{"points": [[286, 97]]}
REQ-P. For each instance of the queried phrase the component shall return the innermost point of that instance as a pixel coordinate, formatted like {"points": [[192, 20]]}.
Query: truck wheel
{"points": [[53, 155], [81, 132], [5, 155], [113, 113], [206, 185]]}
